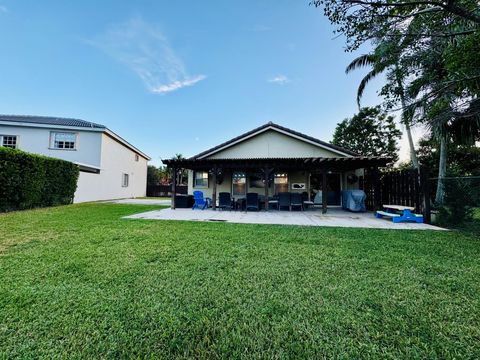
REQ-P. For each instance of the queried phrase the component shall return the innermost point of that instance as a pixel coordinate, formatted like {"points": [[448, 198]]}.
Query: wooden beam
{"points": [[324, 191], [266, 174], [174, 187], [376, 189], [214, 191]]}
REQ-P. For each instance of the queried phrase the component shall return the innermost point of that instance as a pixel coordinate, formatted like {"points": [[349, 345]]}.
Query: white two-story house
{"points": [[110, 167]]}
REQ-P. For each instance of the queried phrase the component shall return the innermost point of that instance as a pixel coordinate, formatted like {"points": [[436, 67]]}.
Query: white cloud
{"points": [[3, 9], [146, 51], [279, 79]]}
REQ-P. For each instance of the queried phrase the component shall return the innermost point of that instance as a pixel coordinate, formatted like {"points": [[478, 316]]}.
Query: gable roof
{"points": [[49, 120], [279, 128]]}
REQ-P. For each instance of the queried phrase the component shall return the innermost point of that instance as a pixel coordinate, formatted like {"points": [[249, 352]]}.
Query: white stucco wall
{"points": [[272, 144], [37, 141], [116, 160], [93, 148]]}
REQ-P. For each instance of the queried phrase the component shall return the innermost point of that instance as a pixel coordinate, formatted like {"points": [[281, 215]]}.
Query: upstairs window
{"points": [[9, 141], [200, 179], [63, 140], [125, 179], [137, 157]]}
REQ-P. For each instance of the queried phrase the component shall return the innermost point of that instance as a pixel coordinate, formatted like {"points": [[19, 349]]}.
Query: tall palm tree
{"points": [[378, 65]]}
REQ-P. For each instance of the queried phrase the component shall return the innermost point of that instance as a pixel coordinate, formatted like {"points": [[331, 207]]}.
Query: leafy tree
{"points": [[153, 175], [370, 133], [464, 160], [431, 60], [379, 64]]}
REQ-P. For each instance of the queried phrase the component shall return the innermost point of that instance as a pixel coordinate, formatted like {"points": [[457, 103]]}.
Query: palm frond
{"points": [[361, 61], [361, 87]]}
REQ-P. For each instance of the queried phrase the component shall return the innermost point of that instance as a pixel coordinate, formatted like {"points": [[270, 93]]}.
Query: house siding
{"points": [[116, 160], [93, 148], [272, 144]]}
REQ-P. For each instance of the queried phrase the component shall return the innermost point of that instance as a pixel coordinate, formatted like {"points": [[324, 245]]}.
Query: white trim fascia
{"points": [[280, 131], [126, 143]]}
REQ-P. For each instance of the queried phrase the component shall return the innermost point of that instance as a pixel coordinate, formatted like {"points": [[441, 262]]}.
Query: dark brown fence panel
{"points": [[401, 187], [165, 190]]}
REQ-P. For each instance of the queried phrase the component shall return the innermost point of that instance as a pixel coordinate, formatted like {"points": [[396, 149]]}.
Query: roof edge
{"points": [[280, 128]]}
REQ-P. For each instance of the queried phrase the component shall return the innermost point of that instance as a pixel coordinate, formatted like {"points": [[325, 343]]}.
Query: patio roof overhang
{"points": [[305, 163]]}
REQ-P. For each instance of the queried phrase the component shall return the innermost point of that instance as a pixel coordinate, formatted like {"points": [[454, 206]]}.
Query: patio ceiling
{"points": [[309, 163]]}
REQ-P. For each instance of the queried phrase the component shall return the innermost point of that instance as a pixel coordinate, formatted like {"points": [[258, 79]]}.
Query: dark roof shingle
{"points": [[49, 120]]}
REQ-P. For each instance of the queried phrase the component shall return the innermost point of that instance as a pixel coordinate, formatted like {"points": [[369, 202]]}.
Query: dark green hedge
{"points": [[28, 180]]}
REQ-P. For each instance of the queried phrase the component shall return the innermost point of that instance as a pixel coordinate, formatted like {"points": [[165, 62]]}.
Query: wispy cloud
{"points": [[3, 9], [279, 79], [145, 50]]}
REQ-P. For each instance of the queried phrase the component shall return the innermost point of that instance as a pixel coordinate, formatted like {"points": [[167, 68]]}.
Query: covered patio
{"points": [[268, 168]]}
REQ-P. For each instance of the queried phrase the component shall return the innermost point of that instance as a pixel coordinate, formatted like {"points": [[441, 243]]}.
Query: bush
{"points": [[29, 181], [462, 195]]}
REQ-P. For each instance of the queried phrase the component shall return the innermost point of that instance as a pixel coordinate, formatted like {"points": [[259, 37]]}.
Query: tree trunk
{"points": [[442, 170], [406, 119], [413, 153]]}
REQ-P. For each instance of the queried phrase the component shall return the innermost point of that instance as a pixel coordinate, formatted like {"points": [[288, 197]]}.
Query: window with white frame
{"points": [[239, 183], [125, 179], [9, 141], [200, 179], [63, 140], [137, 157], [281, 182]]}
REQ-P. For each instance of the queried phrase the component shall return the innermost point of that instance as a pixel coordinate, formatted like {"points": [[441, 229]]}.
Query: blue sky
{"points": [[177, 76]]}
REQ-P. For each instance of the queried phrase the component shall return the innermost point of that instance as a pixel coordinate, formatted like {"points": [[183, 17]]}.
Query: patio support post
{"points": [[376, 189], [324, 191], [174, 187], [307, 183], [266, 173], [214, 191]]}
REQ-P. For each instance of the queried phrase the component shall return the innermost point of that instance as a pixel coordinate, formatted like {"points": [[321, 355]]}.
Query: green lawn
{"points": [[80, 282]]}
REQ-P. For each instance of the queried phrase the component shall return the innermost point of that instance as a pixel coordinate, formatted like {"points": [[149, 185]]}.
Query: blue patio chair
{"points": [[252, 201], [199, 201]]}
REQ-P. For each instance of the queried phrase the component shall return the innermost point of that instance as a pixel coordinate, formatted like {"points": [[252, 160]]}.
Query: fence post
{"points": [[425, 186], [376, 189]]}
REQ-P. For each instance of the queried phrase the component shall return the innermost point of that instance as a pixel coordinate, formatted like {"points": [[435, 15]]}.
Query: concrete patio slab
{"points": [[334, 217]]}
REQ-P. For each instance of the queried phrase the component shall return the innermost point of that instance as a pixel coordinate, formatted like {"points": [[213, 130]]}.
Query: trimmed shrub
{"points": [[29, 181]]}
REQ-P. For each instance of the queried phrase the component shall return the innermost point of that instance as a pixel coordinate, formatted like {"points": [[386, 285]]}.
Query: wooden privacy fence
{"points": [[165, 190], [400, 187]]}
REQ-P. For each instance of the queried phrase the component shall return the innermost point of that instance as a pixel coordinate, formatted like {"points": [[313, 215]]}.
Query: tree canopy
{"points": [[371, 132]]}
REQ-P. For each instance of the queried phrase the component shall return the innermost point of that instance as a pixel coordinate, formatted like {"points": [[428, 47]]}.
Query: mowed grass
{"points": [[80, 282]]}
